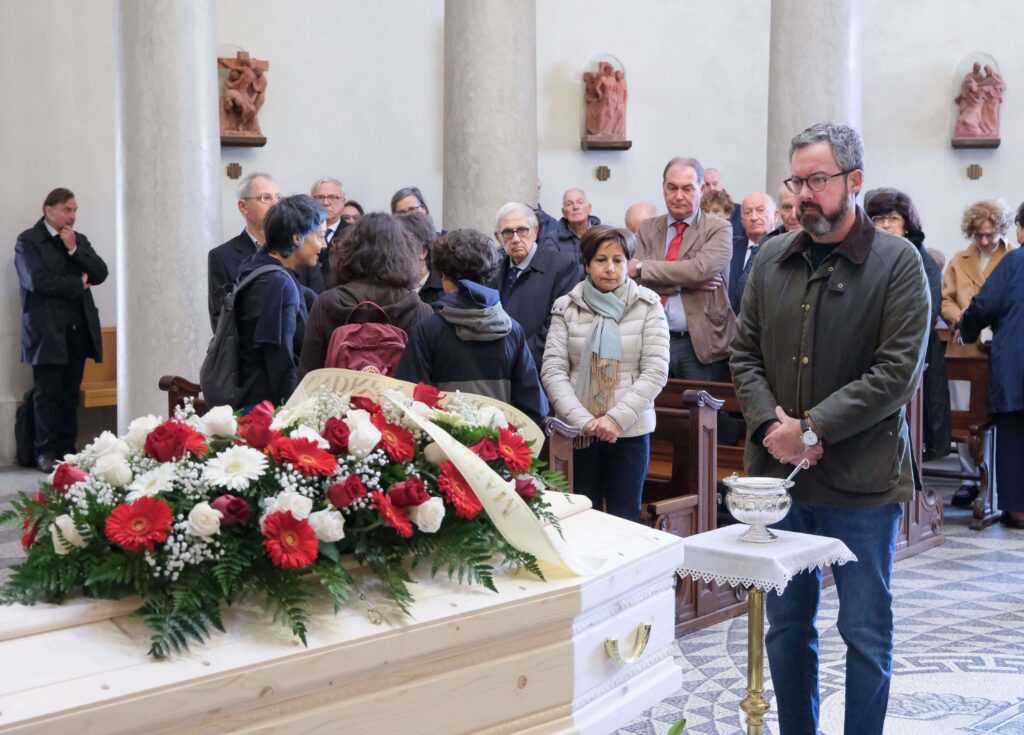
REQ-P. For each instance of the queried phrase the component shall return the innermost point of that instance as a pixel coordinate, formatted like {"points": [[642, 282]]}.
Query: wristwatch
{"points": [[807, 435]]}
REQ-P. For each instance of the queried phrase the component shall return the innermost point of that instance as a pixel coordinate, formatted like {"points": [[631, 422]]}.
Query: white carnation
{"points": [[139, 429], [428, 516], [306, 432], [491, 416], [113, 469], [329, 525], [64, 526], [107, 444], [220, 421], [235, 468], [204, 520], [151, 483], [362, 439]]}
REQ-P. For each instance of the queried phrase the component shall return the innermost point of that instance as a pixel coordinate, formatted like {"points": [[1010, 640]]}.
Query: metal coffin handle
{"points": [[643, 635]]}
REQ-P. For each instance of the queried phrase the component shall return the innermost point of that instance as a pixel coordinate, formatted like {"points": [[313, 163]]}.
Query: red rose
{"points": [[66, 476], [486, 449], [525, 488], [365, 404], [172, 440], [254, 427], [427, 394], [344, 493], [336, 433], [408, 492], [233, 509]]}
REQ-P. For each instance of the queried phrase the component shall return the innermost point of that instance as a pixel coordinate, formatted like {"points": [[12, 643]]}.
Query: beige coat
{"points": [[706, 250], [964, 278], [643, 370]]}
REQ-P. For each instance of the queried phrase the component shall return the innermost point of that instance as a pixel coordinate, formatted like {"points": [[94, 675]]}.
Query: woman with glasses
{"points": [[605, 361], [1000, 306], [893, 211], [984, 223], [271, 311], [351, 212]]}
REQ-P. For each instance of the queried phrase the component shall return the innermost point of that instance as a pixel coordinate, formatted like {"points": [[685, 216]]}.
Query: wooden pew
{"points": [[99, 379], [178, 389], [972, 426]]}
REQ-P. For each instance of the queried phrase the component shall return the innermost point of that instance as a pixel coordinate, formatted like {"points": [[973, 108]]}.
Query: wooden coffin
{"points": [[531, 659]]}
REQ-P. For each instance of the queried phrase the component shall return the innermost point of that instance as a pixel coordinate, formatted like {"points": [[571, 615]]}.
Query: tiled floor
{"points": [[959, 663]]}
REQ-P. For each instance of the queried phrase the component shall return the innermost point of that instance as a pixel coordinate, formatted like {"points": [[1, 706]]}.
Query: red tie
{"points": [[673, 249]]}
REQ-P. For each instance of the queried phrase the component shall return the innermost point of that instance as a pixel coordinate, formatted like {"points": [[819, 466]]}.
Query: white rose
{"points": [[220, 421], [113, 469], [428, 516], [108, 444], [306, 432], [362, 439], [357, 416], [491, 416], [67, 529], [329, 525], [204, 520], [298, 505], [434, 454], [139, 429]]}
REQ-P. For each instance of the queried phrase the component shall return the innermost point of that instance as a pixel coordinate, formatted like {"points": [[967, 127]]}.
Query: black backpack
{"points": [[219, 375], [25, 432]]}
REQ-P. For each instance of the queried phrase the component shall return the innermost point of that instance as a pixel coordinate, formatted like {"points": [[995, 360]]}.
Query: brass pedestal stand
{"points": [[754, 703]]}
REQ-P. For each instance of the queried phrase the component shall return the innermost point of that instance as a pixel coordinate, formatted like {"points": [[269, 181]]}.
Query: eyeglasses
{"points": [[815, 182], [410, 210], [986, 236], [508, 233], [332, 198], [265, 198], [884, 219]]}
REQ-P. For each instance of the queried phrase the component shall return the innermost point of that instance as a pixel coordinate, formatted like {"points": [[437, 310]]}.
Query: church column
{"points": [[490, 109], [814, 73], [167, 153]]}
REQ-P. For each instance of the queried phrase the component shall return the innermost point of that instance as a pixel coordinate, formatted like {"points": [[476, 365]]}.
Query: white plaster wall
{"points": [[354, 91], [697, 73], [911, 51]]}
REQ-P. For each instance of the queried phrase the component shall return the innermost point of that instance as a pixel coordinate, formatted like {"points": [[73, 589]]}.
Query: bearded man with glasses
{"points": [[257, 193], [529, 277], [829, 348]]}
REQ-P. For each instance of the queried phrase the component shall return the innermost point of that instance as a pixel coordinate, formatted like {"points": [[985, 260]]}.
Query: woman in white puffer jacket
{"points": [[605, 361]]}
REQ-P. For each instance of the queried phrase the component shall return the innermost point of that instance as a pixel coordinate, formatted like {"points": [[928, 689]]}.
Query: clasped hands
{"points": [[784, 441], [709, 284], [603, 428]]}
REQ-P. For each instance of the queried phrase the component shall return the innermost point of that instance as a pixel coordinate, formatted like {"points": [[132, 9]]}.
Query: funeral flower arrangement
{"points": [[198, 511]]}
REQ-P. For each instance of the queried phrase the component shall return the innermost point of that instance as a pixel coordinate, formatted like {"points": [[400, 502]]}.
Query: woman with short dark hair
{"points": [[605, 361], [893, 211], [470, 343], [375, 261], [271, 311]]}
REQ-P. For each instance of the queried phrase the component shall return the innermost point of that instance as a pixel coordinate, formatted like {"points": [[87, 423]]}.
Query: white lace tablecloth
{"points": [[719, 556]]}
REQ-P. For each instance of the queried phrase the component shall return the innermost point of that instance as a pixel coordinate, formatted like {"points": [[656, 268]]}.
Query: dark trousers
{"points": [[1010, 460], [612, 475], [56, 397], [683, 364]]}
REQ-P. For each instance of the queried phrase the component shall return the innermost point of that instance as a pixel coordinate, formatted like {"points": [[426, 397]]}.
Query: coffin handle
{"points": [[643, 635]]}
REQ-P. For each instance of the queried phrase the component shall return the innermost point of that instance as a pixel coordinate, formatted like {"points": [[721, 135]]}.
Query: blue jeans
{"points": [[612, 475], [865, 620]]}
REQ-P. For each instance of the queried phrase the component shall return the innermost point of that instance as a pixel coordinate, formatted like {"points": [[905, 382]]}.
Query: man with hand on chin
{"points": [[829, 348]]}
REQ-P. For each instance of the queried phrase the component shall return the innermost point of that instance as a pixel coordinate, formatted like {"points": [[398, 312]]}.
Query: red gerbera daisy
{"points": [[306, 456], [397, 442], [513, 450], [142, 523], [391, 514], [290, 543], [459, 493]]}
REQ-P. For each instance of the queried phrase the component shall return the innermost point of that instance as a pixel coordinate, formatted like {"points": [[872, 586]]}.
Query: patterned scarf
{"points": [[599, 363]]}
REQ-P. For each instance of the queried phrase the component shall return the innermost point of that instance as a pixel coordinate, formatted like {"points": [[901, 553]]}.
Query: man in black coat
{"points": [[757, 213], [257, 193], [530, 278], [60, 326]]}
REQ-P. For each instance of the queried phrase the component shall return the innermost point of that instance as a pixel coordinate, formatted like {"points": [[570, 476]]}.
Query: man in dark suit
{"points": [[257, 193], [757, 212], [331, 195], [529, 278], [60, 326]]}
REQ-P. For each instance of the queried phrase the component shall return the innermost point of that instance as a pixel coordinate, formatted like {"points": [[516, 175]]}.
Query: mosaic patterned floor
{"points": [[959, 662]]}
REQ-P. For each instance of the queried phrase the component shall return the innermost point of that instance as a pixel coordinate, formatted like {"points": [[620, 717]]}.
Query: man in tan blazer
{"points": [[684, 256]]}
